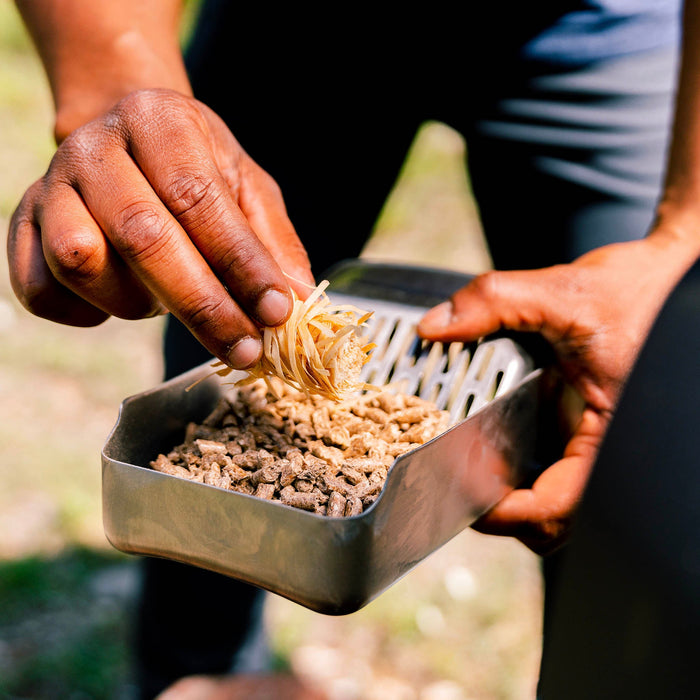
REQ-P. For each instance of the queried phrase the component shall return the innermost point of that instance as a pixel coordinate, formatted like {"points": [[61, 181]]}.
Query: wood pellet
{"points": [[304, 451]]}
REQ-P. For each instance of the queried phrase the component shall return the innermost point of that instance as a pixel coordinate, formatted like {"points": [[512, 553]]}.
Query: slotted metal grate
{"points": [[457, 377]]}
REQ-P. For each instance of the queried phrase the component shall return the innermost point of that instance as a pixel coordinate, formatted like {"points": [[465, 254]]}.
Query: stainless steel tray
{"points": [[333, 566]]}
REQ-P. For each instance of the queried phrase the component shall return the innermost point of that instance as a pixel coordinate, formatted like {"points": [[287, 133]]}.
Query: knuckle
{"points": [[74, 150], [205, 315], [243, 255], [142, 110], [139, 103], [231, 175], [487, 284], [191, 195], [74, 158], [77, 141], [272, 184], [75, 255], [266, 180], [239, 261], [136, 114], [140, 231]]}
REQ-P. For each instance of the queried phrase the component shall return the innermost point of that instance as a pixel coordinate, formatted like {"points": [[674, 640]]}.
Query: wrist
{"points": [[86, 89], [95, 53], [678, 224], [676, 235]]}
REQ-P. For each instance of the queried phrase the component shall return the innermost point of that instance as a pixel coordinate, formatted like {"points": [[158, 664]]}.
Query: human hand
{"points": [[155, 206], [595, 313]]}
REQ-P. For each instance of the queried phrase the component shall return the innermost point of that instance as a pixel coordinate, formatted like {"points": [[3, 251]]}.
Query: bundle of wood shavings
{"points": [[317, 351]]}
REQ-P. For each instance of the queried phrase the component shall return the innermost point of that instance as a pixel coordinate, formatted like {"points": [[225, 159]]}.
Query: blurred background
{"points": [[464, 625]]}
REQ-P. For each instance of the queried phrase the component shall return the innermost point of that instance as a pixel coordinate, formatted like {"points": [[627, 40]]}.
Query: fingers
{"points": [[260, 199], [152, 243], [81, 259], [32, 280], [176, 159], [542, 517], [523, 300]]}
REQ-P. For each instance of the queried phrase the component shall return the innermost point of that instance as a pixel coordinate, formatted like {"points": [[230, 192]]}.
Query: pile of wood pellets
{"points": [[308, 452]]}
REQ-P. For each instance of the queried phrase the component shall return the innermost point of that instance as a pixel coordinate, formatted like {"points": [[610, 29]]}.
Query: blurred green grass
{"points": [[62, 627], [465, 625]]}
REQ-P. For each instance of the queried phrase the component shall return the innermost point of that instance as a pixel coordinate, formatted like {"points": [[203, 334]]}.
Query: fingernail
{"points": [[244, 353], [273, 307], [437, 318]]}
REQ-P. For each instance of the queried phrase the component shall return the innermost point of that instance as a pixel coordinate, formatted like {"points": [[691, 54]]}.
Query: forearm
{"points": [[96, 52], [678, 221]]}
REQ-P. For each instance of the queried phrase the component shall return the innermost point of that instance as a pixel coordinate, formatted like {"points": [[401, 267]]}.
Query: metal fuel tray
{"points": [[337, 565]]}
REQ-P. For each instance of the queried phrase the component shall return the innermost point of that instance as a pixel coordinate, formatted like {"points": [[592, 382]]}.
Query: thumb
{"points": [[522, 300]]}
